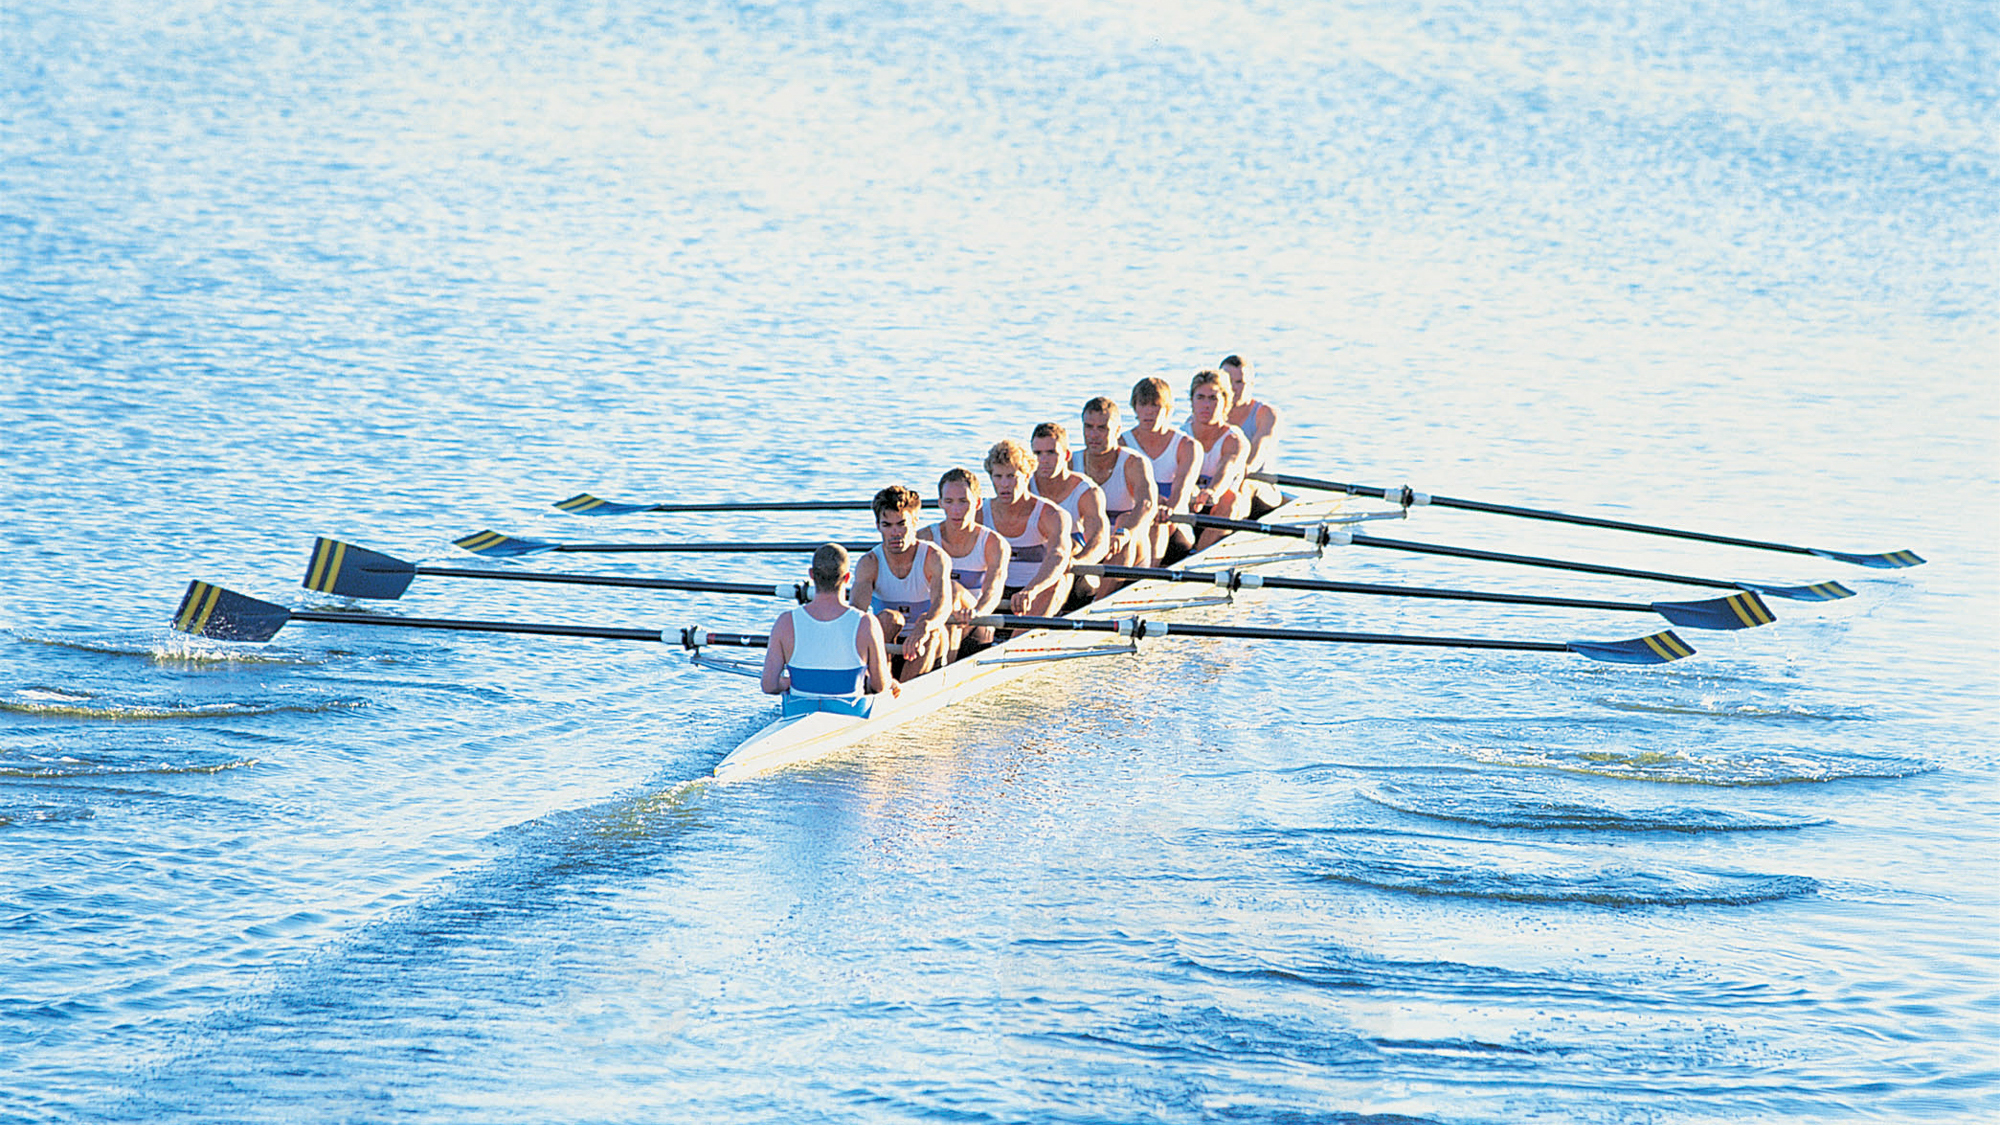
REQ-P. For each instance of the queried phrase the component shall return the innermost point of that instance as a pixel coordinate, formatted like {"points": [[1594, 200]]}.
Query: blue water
{"points": [[394, 273]]}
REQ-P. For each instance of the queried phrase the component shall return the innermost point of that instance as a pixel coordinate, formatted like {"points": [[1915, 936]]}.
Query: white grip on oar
{"points": [[1335, 537], [692, 637]]}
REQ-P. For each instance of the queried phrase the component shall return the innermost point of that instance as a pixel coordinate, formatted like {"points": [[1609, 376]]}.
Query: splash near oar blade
{"points": [[494, 545], [584, 504], [348, 571], [208, 610], [1890, 560], [1737, 611]]}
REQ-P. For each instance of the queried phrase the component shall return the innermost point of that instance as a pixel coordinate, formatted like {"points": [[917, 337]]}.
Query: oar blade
{"points": [[584, 504], [1818, 592], [494, 545], [207, 610], [1888, 560], [1737, 611], [1659, 648], [348, 571]]}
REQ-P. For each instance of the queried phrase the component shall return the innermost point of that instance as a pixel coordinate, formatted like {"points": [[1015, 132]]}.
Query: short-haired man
{"points": [[1077, 495], [1259, 422], [826, 655], [1174, 455], [977, 556], [1127, 481], [1036, 531], [905, 582]]}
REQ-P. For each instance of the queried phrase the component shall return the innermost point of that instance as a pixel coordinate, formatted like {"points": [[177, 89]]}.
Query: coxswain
{"points": [[976, 555], [1036, 531], [1259, 422], [905, 582], [1174, 455], [1077, 495], [1219, 483], [826, 655], [1130, 498]]}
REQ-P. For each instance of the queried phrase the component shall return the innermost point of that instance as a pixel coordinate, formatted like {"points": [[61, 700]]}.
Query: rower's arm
{"points": [[874, 657], [997, 555], [1145, 494], [1184, 474], [1055, 552], [937, 579], [1096, 528], [1260, 446], [1234, 457], [776, 653], [861, 591]]}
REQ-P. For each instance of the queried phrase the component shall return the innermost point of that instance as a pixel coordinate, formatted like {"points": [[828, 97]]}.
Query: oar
{"points": [[494, 545], [210, 611], [1326, 536], [1407, 497], [356, 572], [1744, 610], [1659, 648], [584, 504]]}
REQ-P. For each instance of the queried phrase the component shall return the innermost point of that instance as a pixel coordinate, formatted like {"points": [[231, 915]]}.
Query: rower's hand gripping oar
{"points": [[1659, 648], [1744, 610], [584, 504], [1323, 536], [494, 545], [348, 571], [1408, 497]]}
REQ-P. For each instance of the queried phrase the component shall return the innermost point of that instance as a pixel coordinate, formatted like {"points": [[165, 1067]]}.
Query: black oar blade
{"points": [[1890, 560], [355, 572], [494, 545], [1737, 611], [1660, 648], [584, 504], [225, 615], [1818, 592]]}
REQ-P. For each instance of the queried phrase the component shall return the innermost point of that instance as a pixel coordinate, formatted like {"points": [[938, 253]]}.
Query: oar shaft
{"points": [[772, 506], [688, 585], [1152, 628], [736, 548], [1327, 586], [1533, 560], [463, 626]]}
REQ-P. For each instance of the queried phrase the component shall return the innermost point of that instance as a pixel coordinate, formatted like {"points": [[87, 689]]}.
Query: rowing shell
{"points": [[802, 738]]}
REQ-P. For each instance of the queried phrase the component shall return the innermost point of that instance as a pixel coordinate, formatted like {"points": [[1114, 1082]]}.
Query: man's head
{"points": [[896, 510], [829, 567]]}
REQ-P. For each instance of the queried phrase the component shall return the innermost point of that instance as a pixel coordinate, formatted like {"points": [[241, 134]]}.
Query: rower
{"points": [[826, 655], [1036, 531], [1259, 422], [1076, 494], [977, 557], [1174, 456], [1219, 487], [905, 582], [1130, 498]]}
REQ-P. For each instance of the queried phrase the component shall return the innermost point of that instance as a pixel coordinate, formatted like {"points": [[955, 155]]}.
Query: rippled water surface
{"points": [[394, 273]]}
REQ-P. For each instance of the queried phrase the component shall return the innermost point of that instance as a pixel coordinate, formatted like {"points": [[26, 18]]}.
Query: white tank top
{"points": [[1028, 547], [1118, 498], [968, 569], [826, 660], [1163, 465], [1251, 429], [908, 595], [1211, 461], [1073, 504]]}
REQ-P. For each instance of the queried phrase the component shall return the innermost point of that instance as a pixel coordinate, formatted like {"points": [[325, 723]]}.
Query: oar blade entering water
{"points": [[1818, 592], [494, 545], [208, 610], [1659, 648], [348, 571], [584, 504], [1737, 611], [1888, 560]]}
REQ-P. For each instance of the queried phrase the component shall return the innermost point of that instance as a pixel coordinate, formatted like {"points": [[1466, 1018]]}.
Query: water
{"points": [[395, 273]]}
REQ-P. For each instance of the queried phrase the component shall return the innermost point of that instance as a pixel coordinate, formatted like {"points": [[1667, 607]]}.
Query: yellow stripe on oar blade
{"points": [[196, 606], [1668, 646], [581, 502], [328, 554], [479, 541], [1750, 609]]}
